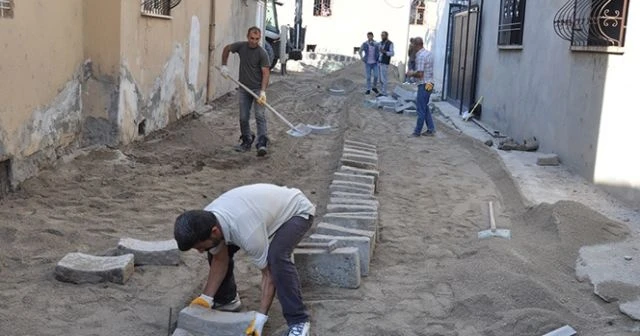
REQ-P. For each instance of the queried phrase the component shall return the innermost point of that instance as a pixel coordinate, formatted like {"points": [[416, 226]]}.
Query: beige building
{"points": [[85, 72]]}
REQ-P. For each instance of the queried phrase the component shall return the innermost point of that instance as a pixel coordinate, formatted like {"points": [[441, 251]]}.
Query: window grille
{"points": [[321, 7], [6, 8], [417, 12], [511, 26], [158, 7], [593, 25]]}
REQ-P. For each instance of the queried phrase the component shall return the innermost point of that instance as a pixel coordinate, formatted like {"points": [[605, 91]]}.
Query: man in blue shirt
{"points": [[370, 54]]}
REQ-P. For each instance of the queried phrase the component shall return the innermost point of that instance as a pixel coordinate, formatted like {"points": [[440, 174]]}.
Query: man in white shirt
{"points": [[267, 222], [424, 75]]}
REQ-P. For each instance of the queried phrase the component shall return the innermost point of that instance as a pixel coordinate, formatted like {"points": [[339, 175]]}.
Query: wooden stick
{"points": [[491, 218]]}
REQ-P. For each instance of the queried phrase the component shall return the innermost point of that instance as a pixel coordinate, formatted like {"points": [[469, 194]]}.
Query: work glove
{"points": [[429, 87], [203, 301], [224, 71], [255, 327], [263, 98]]}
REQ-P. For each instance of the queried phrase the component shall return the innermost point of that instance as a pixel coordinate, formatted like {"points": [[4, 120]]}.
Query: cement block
{"points": [[353, 220], [410, 112], [362, 158], [200, 321], [401, 106], [363, 244], [357, 171], [369, 187], [387, 108], [164, 252], [181, 332], [385, 101], [353, 201], [337, 230], [359, 144], [358, 164], [347, 194], [84, 268], [364, 179], [336, 187], [351, 150], [328, 245], [551, 160], [362, 149], [339, 268], [338, 208], [405, 94]]}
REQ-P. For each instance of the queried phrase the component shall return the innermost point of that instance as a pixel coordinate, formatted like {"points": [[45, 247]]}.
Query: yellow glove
{"points": [[204, 301], [263, 98], [429, 87], [255, 327]]}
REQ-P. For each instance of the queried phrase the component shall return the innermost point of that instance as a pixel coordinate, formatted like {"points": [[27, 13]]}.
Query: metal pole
{"points": [[466, 46]]}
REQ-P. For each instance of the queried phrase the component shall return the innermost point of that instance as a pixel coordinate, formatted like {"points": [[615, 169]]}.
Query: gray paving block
{"points": [[337, 230], [361, 158], [353, 201], [365, 179], [336, 187], [339, 268], [181, 332], [163, 252], [359, 143], [401, 106], [410, 112], [200, 321], [363, 244], [338, 208], [358, 164], [405, 94], [351, 150], [348, 194], [361, 149], [550, 160], [368, 187], [84, 268], [358, 171], [360, 221], [328, 245]]}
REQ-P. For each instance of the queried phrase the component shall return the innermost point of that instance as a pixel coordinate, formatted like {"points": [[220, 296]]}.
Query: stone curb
{"points": [[81, 268]]}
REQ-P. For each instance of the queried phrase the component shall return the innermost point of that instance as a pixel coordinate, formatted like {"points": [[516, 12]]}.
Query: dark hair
{"points": [[385, 32], [193, 226], [369, 33], [254, 28]]}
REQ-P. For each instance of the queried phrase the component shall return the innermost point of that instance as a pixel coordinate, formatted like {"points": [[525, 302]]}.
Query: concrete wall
{"points": [[578, 105], [41, 71]]}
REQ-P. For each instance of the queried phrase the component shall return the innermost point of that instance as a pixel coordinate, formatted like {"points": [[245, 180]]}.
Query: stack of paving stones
{"points": [[338, 252], [403, 100]]}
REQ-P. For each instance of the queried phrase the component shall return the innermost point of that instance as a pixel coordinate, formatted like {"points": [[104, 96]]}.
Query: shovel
{"points": [[299, 130], [493, 232], [466, 115]]}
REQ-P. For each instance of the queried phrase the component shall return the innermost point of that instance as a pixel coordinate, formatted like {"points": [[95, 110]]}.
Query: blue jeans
{"points": [[422, 107], [384, 68], [246, 100], [368, 69]]}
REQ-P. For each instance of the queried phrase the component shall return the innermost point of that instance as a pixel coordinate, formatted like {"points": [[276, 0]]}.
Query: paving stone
{"points": [[389, 108], [84, 268], [200, 321], [363, 244], [335, 187], [404, 94], [386, 101], [405, 106], [358, 164], [353, 220], [164, 252], [551, 160], [359, 143], [358, 171], [353, 201], [350, 150], [338, 208], [339, 268], [181, 332], [410, 112], [328, 245], [369, 187], [365, 179], [347, 194], [337, 230], [361, 158], [362, 149]]}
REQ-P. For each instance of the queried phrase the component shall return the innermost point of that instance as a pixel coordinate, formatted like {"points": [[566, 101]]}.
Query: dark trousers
{"points": [[283, 272]]}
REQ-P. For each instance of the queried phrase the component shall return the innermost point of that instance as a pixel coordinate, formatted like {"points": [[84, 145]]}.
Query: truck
{"points": [[293, 42]]}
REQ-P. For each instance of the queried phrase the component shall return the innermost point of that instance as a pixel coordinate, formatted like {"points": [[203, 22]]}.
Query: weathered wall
{"points": [[42, 56], [578, 105]]}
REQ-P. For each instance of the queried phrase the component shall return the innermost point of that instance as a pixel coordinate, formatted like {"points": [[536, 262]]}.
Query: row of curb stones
{"points": [[339, 250]]}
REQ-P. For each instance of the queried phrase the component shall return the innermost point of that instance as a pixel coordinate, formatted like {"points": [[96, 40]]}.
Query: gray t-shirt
{"points": [[251, 63]]}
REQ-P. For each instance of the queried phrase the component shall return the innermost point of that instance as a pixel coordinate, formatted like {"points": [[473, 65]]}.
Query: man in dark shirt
{"points": [[254, 73], [386, 52]]}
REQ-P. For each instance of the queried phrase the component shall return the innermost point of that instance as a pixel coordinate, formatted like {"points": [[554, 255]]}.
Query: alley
{"points": [[431, 275]]}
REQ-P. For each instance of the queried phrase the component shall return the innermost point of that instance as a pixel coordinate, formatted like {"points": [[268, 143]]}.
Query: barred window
{"points": [[158, 7], [593, 25], [6, 9], [511, 26], [417, 12], [321, 7]]}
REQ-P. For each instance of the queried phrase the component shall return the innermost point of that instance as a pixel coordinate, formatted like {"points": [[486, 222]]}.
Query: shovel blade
{"points": [[299, 131], [497, 233]]}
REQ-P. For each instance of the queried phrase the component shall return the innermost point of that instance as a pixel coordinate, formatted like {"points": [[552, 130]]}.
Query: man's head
{"points": [[370, 36], [197, 229], [254, 34], [417, 42], [384, 35]]}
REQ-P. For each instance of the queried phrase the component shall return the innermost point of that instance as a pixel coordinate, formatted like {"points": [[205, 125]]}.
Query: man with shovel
{"points": [[254, 74], [267, 222]]}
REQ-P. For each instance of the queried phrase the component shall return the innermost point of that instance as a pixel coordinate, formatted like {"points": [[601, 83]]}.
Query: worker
{"points": [[267, 222], [386, 52], [369, 54], [424, 76], [412, 61], [254, 74]]}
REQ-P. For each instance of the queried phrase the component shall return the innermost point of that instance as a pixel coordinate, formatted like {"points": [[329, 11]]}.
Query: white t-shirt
{"points": [[251, 214]]}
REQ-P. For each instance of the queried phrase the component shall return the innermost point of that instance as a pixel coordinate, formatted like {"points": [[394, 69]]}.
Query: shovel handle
{"points": [[256, 97], [491, 217]]}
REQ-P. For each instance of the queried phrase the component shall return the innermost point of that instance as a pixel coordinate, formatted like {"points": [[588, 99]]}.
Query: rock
{"points": [[551, 160]]}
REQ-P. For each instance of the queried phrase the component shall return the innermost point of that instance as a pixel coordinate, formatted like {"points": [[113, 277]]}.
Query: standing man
{"points": [[267, 222], [412, 60], [424, 76], [254, 73], [370, 53], [386, 52]]}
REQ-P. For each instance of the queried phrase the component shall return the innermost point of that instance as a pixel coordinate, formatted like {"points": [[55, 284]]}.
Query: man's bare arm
{"points": [[217, 271], [268, 291], [225, 54], [265, 78]]}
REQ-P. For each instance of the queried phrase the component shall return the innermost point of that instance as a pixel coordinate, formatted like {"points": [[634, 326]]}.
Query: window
{"points": [[417, 12], [511, 23], [6, 9], [158, 7], [321, 7], [593, 25]]}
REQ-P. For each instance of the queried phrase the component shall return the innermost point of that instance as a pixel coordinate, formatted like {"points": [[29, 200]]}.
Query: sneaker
{"points": [[300, 329], [234, 306], [413, 135], [375, 90], [379, 95], [429, 133], [245, 144], [261, 146], [367, 92]]}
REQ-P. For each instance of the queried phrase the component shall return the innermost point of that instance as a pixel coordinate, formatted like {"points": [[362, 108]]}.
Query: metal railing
{"points": [[592, 23], [158, 7]]}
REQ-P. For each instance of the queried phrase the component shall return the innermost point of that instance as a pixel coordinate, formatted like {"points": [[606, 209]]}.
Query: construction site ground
{"points": [[430, 274]]}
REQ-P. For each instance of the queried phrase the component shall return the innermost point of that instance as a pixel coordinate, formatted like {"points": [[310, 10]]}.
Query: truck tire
{"points": [[272, 57]]}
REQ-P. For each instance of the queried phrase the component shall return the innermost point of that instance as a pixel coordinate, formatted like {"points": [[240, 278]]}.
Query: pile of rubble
{"points": [[402, 101]]}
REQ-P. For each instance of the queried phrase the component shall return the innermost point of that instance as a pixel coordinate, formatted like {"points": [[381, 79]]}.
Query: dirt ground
{"points": [[430, 275]]}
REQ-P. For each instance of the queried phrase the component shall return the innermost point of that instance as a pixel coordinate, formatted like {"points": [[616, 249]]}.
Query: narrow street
{"points": [[430, 274]]}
